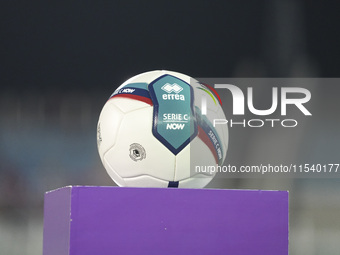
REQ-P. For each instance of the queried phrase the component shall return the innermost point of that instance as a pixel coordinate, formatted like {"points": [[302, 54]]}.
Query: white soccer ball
{"points": [[156, 130]]}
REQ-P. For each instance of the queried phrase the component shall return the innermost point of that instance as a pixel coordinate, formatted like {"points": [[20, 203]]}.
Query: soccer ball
{"points": [[156, 130]]}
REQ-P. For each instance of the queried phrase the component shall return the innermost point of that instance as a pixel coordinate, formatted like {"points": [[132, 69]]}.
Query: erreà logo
{"points": [[172, 88], [169, 88]]}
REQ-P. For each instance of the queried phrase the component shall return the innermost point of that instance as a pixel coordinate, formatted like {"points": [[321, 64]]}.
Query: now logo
{"points": [[175, 126], [127, 90]]}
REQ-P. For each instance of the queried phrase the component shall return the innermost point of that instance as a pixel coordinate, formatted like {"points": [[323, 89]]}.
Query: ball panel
{"points": [[136, 134], [146, 77], [108, 127], [150, 76], [202, 92], [195, 154], [145, 181], [223, 132], [112, 173], [181, 76], [214, 111], [196, 182], [127, 105]]}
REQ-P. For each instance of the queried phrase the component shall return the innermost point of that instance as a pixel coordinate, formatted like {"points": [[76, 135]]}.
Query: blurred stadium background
{"points": [[61, 60]]}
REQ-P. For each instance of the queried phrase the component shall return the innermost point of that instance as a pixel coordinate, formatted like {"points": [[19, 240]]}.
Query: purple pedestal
{"points": [[114, 220]]}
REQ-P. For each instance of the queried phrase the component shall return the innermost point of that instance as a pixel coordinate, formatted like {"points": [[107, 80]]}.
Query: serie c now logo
{"points": [[238, 100]]}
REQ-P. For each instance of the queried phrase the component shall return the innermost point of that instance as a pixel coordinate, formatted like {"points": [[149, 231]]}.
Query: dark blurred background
{"points": [[61, 60]]}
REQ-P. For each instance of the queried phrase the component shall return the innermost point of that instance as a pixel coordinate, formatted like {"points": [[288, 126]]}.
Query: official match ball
{"points": [[157, 130]]}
